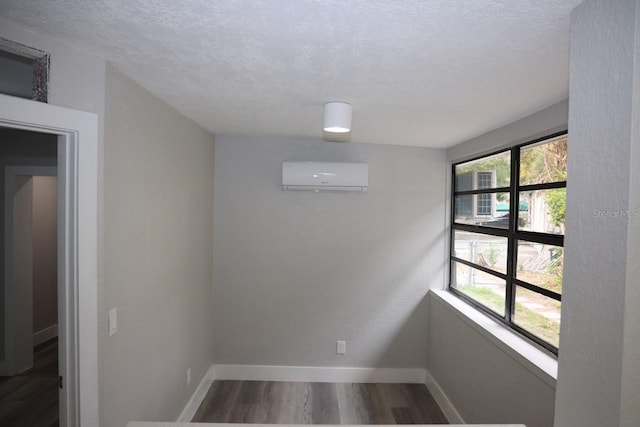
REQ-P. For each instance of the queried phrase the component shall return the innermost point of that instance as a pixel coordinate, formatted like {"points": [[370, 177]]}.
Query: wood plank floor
{"points": [[273, 402], [31, 398]]}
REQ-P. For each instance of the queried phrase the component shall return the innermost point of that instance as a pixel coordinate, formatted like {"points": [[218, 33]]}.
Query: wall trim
{"points": [[452, 414], [196, 399], [45, 334], [319, 374]]}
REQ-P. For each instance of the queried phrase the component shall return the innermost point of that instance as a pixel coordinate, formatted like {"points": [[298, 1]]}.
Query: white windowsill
{"points": [[541, 363]]}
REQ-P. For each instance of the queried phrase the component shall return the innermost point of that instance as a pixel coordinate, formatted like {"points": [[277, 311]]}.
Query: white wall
{"points": [[22, 295], [154, 253], [544, 122], [157, 256], [296, 271], [483, 382], [152, 263], [76, 78], [599, 362], [45, 256]]}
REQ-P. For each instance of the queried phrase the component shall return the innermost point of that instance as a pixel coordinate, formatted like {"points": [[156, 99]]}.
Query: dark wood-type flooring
{"points": [[31, 398], [274, 402]]}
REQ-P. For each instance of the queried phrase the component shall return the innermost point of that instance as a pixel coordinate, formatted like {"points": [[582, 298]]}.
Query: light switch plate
{"points": [[113, 321]]}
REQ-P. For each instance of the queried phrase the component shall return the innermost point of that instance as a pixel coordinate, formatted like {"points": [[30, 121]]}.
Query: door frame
{"points": [[77, 133]]}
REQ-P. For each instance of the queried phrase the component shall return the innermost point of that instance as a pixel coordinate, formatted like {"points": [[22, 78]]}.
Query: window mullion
{"points": [[478, 267], [490, 190], [532, 236], [556, 296], [512, 249]]}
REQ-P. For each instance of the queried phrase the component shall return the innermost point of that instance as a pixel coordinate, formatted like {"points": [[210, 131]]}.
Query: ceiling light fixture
{"points": [[337, 117]]}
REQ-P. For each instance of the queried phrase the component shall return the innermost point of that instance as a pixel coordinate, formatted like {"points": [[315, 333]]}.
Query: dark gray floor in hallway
{"points": [[31, 398], [275, 402]]}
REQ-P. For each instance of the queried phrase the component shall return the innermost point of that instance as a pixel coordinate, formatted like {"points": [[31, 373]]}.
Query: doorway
{"points": [[30, 381], [76, 133]]}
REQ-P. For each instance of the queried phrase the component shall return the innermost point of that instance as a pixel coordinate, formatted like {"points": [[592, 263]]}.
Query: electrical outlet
{"points": [[341, 347], [113, 321], [188, 377]]}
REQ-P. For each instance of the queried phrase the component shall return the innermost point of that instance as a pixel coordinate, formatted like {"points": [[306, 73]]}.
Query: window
{"points": [[507, 236], [24, 71]]}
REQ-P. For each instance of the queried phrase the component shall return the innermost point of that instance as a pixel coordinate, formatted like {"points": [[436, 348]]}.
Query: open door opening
{"points": [[29, 350]]}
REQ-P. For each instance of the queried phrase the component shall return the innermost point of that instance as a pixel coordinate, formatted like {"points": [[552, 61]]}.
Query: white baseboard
{"points": [[319, 374], [198, 396], [443, 401], [45, 334]]}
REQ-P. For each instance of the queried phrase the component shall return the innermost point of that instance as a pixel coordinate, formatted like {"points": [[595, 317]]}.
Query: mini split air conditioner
{"points": [[323, 176]]}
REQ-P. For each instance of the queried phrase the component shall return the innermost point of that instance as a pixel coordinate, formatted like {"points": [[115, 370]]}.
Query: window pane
{"points": [[544, 162], [484, 204], [482, 249], [540, 265], [16, 75], [538, 314], [464, 207], [543, 210], [491, 210], [488, 172], [485, 288]]}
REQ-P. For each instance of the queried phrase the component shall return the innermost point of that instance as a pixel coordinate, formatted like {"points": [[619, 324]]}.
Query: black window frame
{"points": [[512, 234]]}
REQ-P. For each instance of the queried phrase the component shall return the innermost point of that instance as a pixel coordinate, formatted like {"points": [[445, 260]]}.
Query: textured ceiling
{"points": [[418, 72]]}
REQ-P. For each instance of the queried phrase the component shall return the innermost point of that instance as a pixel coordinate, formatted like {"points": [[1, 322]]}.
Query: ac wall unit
{"points": [[324, 176]]}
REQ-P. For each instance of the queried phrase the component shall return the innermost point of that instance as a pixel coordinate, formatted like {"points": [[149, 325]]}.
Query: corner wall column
{"points": [[598, 365]]}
